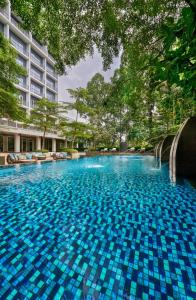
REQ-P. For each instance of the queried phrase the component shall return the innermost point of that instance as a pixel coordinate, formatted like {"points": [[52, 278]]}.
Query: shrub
{"points": [[91, 149], [42, 150], [69, 150], [80, 149]]}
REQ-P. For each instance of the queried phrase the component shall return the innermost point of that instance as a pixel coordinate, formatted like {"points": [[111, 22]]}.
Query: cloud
{"points": [[79, 75]]}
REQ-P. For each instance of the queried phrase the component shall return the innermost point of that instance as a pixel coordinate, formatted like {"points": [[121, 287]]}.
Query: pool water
{"points": [[109, 227]]}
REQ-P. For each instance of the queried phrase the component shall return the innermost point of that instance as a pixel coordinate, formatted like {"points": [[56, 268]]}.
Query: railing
{"points": [[51, 99], [19, 26], [36, 76], [33, 103], [24, 65], [51, 57], [13, 124], [51, 85], [23, 102], [4, 11], [37, 92], [52, 73], [37, 61], [23, 84], [39, 45], [19, 47]]}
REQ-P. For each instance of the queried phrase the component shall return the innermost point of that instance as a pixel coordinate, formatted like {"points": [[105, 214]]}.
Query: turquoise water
{"points": [[96, 228]]}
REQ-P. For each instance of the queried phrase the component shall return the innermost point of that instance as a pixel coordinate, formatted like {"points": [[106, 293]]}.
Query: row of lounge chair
{"points": [[131, 150], [13, 158]]}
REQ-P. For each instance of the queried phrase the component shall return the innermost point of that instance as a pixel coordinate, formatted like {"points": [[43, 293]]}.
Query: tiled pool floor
{"points": [[97, 228]]}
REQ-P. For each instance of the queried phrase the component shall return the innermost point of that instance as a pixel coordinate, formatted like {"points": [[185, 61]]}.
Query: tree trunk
{"points": [[150, 120], [43, 140], [73, 141], [74, 137]]}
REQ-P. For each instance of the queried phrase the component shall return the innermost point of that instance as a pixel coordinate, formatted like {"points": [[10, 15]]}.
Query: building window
{"points": [[50, 69], [50, 95], [36, 73], [33, 101], [18, 43], [27, 144], [21, 61], [23, 98], [10, 143], [48, 144], [36, 88], [36, 58], [22, 81], [51, 83]]}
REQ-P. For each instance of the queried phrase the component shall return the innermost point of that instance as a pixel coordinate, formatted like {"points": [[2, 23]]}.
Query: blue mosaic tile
{"points": [[98, 228]]}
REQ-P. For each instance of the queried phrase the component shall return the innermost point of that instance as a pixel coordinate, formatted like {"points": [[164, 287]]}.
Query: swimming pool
{"points": [[109, 227]]}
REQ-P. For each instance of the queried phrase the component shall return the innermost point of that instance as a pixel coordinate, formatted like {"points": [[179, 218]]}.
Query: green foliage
{"points": [[9, 73], [42, 151], [69, 150], [71, 29], [177, 64], [44, 116], [154, 89], [75, 130]]}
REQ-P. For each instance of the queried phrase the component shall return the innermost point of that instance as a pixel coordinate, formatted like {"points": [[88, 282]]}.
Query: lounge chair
{"points": [[14, 158], [113, 150], [132, 149], [142, 150], [104, 150], [60, 155], [39, 156]]}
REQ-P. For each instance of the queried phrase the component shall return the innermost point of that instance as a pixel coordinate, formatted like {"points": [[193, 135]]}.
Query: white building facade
{"points": [[41, 82]]}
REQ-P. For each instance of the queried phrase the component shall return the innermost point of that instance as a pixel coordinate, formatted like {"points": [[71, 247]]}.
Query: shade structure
{"points": [[157, 149], [183, 151], [165, 147]]}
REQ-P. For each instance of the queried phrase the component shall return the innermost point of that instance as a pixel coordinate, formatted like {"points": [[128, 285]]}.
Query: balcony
{"points": [[52, 72], [36, 91], [37, 61], [51, 57], [33, 103], [22, 84], [19, 47], [51, 98], [23, 102], [37, 77], [4, 11], [24, 129], [39, 45], [17, 24], [51, 86]]}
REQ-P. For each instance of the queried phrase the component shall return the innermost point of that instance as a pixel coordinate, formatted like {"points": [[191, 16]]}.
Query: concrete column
{"points": [[65, 144], [53, 145], [16, 143], [44, 78], [38, 142], [5, 143]]}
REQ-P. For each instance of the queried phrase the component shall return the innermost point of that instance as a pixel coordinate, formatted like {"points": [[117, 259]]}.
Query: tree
{"points": [[45, 116], [78, 26], [9, 73], [77, 129], [177, 63]]}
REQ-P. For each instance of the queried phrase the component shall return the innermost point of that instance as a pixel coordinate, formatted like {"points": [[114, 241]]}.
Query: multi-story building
{"points": [[41, 81]]}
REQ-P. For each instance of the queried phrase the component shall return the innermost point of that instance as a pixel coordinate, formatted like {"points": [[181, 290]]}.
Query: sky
{"points": [[79, 75]]}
